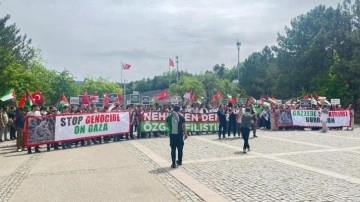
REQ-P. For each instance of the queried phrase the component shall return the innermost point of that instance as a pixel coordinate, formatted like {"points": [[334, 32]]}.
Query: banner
{"points": [[58, 128], [311, 118], [156, 122]]}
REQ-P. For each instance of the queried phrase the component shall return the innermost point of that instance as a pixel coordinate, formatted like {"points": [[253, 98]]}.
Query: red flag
{"points": [[163, 94], [85, 98], [106, 99], [218, 95], [192, 96], [93, 97], [119, 98], [232, 100], [213, 99], [250, 101], [171, 63], [37, 97], [261, 100], [126, 66], [22, 101]]}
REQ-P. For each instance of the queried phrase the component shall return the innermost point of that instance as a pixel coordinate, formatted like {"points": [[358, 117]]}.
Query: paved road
{"points": [[282, 166]]}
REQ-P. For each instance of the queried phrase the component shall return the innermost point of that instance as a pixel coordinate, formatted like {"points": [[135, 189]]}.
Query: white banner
{"points": [[76, 126], [311, 118]]}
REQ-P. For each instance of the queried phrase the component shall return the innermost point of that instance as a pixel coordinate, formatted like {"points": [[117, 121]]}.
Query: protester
{"points": [[35, 111], [246, 121], [253, 124], [222, 121], [232, 122], [177, 132], [11, 123], [351, 117], [19, 121], [4, 120], [324, 118]]}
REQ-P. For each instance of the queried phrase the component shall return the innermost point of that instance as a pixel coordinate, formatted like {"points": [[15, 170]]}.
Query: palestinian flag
{"points": [[200, 100], [62, 102], [28, 101], [10, 94]]}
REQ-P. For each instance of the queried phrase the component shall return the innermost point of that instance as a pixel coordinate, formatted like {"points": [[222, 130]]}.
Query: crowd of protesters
{"points": [[12, 121]]}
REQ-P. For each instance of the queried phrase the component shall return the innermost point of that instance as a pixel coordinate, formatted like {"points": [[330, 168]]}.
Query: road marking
{"points": [[198, 188], [291, 163]]}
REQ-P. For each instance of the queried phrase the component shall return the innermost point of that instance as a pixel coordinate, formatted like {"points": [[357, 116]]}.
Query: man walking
{"points": [[246, 121], [177, 132]]}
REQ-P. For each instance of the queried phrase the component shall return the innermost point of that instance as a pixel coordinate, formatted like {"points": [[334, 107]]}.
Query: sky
{"points": [[92, 38]]}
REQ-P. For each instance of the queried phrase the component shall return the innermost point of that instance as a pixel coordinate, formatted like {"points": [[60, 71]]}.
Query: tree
{"points": [[186, 84], [254, 74], [15, 44], [101, 86]]}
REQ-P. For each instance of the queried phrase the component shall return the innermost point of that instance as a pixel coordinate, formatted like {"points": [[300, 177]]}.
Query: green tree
{"points": [[101, 86], [18, 45]]}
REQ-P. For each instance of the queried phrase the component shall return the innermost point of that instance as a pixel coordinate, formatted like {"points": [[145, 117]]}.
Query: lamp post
{"points": [[125, 101], [238, 44]]}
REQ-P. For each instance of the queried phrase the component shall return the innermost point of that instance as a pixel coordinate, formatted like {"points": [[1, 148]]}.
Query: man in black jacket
{"points": [[222, 121]]}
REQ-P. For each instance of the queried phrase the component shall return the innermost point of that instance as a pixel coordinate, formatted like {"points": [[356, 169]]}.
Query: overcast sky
{"points": [[91, 38]]}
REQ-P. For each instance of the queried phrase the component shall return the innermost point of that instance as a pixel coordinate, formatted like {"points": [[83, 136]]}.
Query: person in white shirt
{"points": [[324, 118]]}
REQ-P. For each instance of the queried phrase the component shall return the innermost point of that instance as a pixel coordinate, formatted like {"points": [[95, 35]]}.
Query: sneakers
{"points": [[244, 151], [19, 150], [255, 136], [173, 166], [179, 162]]}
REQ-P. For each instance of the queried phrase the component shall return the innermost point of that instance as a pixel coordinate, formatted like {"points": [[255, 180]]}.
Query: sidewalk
{"points": [[104, 172]]}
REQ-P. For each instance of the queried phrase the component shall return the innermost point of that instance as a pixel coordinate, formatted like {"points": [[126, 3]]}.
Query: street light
{"points": [[238, 44]]}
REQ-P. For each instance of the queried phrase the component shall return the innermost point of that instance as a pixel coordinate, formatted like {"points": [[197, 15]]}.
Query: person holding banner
{"points": [[351, 117], [324, 118], [35, 111], [177, 132]]}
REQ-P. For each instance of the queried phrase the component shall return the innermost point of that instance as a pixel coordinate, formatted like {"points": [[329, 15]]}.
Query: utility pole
{"points": [[238, 44]]}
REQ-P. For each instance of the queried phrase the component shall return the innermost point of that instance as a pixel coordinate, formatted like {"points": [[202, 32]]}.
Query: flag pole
{"points": [[177, 69], [122, 67], [169, 74]]}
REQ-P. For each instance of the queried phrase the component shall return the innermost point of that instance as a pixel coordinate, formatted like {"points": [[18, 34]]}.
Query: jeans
{"points": [[176, 141], [245, 133], [222, 129]]}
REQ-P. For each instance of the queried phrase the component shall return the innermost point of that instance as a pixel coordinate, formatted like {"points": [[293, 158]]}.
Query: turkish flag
{"points": [[213, 99], [85, 98], [93, 97], [218, 95], [192, 96], [171, 63], [119, 98], [106, 99], [22, 101], [126, 66], [38, 98], [163, 94]]}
